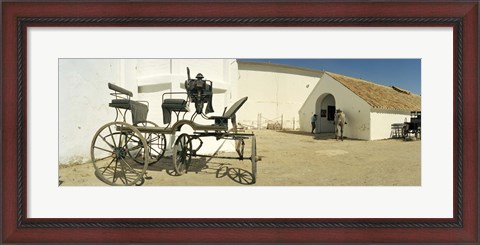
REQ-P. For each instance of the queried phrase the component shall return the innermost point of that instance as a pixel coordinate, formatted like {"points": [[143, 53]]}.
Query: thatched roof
{"points": [[380, 96]]}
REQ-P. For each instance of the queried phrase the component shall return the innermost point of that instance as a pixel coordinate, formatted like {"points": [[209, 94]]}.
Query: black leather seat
{"points": [[170, 105], [139, 110]]}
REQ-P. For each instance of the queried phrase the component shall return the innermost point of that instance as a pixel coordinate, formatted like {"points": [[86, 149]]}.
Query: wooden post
{"points": [[260, 120], [281, 125]]}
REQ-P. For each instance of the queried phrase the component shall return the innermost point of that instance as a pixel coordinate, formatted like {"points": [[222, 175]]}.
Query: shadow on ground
{"points": [[321, 136], [203, 165]]}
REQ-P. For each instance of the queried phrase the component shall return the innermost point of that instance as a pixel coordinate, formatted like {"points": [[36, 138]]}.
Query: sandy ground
{"points": [[288, 159]]}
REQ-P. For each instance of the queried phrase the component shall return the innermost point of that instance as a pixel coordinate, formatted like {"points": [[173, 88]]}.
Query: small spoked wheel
{"points": [[182, 154], [111, 152], [156, 144], [254, 159]]}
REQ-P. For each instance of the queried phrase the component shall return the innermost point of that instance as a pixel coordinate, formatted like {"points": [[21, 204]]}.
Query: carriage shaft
{"points": [[222, 157]]}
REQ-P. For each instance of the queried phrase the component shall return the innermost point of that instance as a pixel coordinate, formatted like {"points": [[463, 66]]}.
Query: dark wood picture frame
{"points": [[18, 16]]}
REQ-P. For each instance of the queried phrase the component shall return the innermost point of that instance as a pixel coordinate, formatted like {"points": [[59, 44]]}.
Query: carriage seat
{"points": [[223, 120], [169, 105], [139, 110], [122, 101]]}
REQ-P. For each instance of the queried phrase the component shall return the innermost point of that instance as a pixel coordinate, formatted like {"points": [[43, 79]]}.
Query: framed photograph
{"points": [[62, 61]]}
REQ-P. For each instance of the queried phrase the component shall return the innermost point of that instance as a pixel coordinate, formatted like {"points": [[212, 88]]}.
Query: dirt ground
{"points": [[288, 158]]}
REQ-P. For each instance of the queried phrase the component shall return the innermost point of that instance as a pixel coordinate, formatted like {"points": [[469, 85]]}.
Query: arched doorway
{"points": [[325, 109]]}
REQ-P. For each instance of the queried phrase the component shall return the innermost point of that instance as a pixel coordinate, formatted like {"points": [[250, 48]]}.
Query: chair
{"points": [[123, 101], [223, 120]]}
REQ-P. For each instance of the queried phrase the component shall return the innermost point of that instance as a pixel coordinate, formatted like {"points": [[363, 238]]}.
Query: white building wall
{"points": [[83, 103], [357, 111], [273, 91], [84, 95], [382, 120]]}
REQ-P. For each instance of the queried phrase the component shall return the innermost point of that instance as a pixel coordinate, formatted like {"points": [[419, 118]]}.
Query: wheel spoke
{"points": [[135, 148], [108, 166], [121, 136], [153, 149], [137, 154], [121, 179], [111, 134], [148, 137], [135, 141], [124, 174], [126, 142], [129, 166], [103, 138], [115, 172], [100, 148], [131, 179], [154, 138]]}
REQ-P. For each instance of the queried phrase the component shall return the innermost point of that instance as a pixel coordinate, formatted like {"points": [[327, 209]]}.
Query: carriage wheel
{"points": [[156, 144], [182, 154], [254, 159], [111, 153]]}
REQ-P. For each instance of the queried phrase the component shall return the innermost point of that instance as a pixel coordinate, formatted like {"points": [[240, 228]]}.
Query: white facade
{"points": [[273, 91], [382, 121], [297, 93], [357, 111], [84, 95], [363, 121]]}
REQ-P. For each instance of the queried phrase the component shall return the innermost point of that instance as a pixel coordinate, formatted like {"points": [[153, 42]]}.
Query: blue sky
{"points": [[403, 73]]}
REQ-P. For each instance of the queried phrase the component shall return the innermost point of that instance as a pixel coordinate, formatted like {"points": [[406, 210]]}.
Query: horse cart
{"points": [[121, 152], [414, 126]]}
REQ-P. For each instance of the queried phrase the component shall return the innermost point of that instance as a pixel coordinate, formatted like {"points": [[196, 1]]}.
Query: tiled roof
{"points": [[380, 96]]}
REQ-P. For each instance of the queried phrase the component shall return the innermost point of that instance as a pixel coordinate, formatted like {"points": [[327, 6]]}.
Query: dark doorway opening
{"points": [[330, 113]]}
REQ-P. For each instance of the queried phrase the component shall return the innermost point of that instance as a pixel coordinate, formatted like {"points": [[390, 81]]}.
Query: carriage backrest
{"points": [[235, 107], [119, 89]]}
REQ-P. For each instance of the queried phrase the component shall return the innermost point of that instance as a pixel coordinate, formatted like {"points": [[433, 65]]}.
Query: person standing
{"points": [[313, 120], [339, 122]]}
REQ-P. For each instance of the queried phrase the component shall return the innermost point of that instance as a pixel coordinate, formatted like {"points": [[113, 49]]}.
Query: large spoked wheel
{"points": [[156, 144], [254, 159], [182, 154], [111, 151]]}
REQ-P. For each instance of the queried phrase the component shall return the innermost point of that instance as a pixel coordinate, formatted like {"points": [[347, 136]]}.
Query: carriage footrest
{"points": [[220, 120]]}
